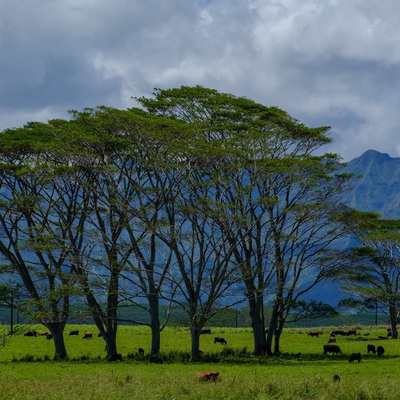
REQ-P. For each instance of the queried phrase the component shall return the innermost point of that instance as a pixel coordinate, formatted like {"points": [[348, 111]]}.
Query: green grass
{"points": [[28, 372]]}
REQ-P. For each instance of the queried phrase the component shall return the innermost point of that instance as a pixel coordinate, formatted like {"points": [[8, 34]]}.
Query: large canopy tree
{"points": [[272, 198], [40, 202]]}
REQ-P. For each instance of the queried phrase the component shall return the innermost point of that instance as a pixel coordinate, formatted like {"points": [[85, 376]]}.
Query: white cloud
{"points": [[331, 62]]}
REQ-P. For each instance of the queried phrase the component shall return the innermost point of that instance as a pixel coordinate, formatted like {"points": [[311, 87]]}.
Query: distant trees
{"points": [[371, 270], [202, 199]]}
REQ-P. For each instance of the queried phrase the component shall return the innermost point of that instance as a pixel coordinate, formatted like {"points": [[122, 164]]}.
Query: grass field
{"points": [[28, 372]]}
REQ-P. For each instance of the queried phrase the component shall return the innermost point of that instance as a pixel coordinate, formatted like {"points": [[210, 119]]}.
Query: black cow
{"points": [[155, 360], [49, 336], [371, 348], [380, 350], [74, 333], [332, 348], [219, 340], [205, 332], [339, 332], [115, 357], [141, 351], [88, 335], [30, 333], [354, 357]]}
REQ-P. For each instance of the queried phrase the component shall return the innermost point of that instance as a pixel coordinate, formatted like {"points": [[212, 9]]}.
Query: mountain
{"points": [[377, 187]]}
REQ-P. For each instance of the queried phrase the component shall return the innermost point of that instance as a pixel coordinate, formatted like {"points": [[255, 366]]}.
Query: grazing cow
{"points": [[155, 360], [88, 335], [380, 350], [49, 336], [371, 348], [141, 351], [331, 348], [332, 339], [43, 333], [74, 333], [208, 376], [205, 332], [316, 334], [351, 332], [336, 378], [339, 332], [355, 356], [115, 357], [219, 340], [30, 333]]}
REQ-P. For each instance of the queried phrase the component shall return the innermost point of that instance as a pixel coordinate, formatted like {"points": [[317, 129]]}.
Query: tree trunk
{"points": [[393, 320], [273, 327], [195, 336], [57, 330], [155, 325], [258, 327]]}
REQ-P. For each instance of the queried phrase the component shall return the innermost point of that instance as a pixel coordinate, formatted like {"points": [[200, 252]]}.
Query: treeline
{"points": [[199, 200]]}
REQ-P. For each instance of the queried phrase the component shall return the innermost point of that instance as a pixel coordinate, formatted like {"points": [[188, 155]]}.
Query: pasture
{"points": [[302, 371]]}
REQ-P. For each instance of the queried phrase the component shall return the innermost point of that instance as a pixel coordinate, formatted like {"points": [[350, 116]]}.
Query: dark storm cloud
{"points": [[332, 62]]}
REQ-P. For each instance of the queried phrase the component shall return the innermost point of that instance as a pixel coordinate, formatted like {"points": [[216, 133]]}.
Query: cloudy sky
{"points": [[326, 62]]}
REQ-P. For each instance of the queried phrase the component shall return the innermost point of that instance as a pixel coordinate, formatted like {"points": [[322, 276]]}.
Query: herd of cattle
{"points": [[327, 348], [335, 349]]}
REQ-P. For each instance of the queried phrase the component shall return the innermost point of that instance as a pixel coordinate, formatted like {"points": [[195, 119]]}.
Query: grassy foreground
{"points": [[308, 375]]}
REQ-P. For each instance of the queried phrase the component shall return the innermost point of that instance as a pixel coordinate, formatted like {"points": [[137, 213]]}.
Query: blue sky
{"points": [[330, 62]]}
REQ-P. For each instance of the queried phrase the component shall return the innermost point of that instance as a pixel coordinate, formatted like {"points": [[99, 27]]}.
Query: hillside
{"points": [[378, 185]]}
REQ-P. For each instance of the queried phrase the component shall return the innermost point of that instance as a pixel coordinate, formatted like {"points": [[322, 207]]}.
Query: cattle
{"points": [[205, 332], [219, 340], [49, 336], [88, 335], [314, 334], [336, 378], [208, 376], [99, 334], [339, 332], [352, 332], [332, 339], [115, 357], [141, 351], [331, 348], [380, 350], [371, 348], [155, 360], [74, 333], [43, 333], [30, 333], [354, 357]]}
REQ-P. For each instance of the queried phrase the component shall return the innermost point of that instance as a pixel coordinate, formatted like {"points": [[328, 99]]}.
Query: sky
{"points": [[326, 62]]}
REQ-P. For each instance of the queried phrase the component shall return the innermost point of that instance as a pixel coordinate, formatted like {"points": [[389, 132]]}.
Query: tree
{"points": [[39, 203], [371, 270], [273, 200]]}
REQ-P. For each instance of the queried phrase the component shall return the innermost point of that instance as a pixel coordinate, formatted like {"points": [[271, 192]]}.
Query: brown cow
{"points": [[208, 376], [88, 335], [42, 333], [332, 339]]}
